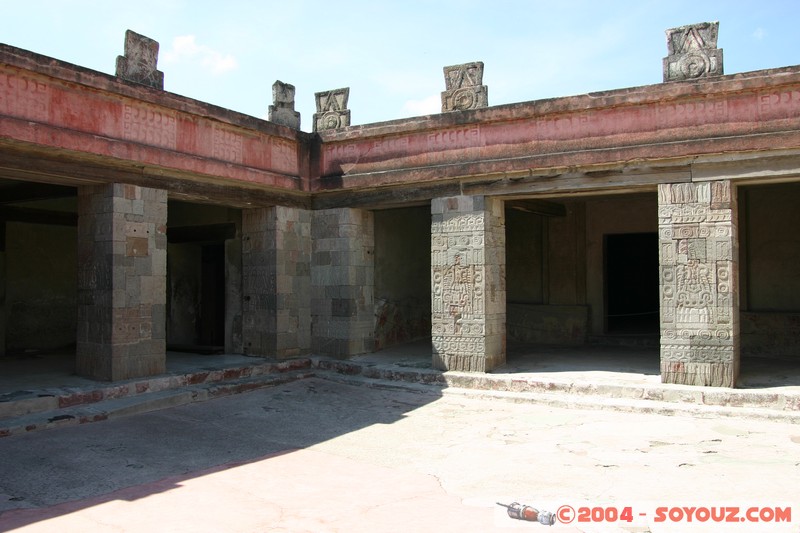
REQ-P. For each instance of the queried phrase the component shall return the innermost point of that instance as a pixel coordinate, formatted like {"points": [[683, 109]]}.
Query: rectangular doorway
{"points": [[631, 283], [211, 323]]}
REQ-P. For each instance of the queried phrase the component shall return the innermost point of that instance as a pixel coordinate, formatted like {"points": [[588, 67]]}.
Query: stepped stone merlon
{"points": [[282, 111], [693, 52], [332, 112], [464, 87], [140, 60]]}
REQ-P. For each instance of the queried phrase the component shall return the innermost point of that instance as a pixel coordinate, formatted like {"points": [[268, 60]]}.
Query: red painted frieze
{"points": [[585, 130], [58, 114]]}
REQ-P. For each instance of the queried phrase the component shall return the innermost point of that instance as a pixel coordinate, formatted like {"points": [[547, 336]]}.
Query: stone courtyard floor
{"points": [[318, 455]]}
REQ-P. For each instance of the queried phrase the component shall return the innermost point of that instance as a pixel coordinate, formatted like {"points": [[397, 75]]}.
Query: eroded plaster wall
{"points": [[545, 272], [41, 286], [525, 255], [770, 248], [402, 275]]}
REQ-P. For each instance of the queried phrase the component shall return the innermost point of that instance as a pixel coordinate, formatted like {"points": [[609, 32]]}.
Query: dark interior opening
{"points": [[211, 325], [632, 297], [196, 287]]}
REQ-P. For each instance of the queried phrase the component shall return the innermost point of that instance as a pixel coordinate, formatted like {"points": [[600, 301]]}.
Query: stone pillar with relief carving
{"points": [[468, 300], [698, 255]]}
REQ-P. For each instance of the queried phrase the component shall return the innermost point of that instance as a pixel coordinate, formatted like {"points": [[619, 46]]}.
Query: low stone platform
{"points": [[706, 402], [81, 401], [596, 378]]}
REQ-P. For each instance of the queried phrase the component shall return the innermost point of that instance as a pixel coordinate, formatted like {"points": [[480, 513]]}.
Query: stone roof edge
{"points": [[630, 96], [71, 73]]}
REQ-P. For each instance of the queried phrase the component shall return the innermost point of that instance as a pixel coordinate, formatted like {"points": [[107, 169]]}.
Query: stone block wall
{"points": [[770, 335], [40, 292], [698, 255], [548, 324], [122, 258], [468, 283], [276, 281], [343, 281]]}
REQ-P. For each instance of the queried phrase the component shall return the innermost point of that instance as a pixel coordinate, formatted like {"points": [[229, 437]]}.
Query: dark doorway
{"points": [[196, 295], [211, 330], [632, 298]]}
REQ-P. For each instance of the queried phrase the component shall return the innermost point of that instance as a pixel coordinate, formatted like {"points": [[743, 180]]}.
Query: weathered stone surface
{"points": [[693, 52], [343, 282], [468, 300], [276, 281], [332, 112], [464, 87], [140, 60], [698, 257], [122, 257], [548, 324], [282, 111]]}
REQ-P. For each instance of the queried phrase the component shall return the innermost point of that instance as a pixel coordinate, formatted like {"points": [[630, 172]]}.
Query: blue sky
{"points": [[391, 53]]}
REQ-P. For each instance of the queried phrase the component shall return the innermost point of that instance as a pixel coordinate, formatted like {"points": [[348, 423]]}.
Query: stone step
{"points": [[110, 408], [664, 398], [26, 402], [65, 407], [567, 401]]}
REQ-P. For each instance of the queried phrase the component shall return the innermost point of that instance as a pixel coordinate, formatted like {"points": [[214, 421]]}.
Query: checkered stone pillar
{"points": [[468, 283], [122, 274], [276, 281], [698, 257], [343, 282]]}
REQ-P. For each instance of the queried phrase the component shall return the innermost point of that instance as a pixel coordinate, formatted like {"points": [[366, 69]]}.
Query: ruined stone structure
{"points": [[135, 221], [282, 111], [693, 52], [332, 112], [465, 89], [140, 60]]}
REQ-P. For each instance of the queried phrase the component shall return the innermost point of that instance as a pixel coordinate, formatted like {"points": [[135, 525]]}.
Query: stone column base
{"points": [[700, 374]]}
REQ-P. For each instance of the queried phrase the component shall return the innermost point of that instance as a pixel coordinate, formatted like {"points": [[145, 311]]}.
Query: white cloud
{"points": [[427, 106], [759, 34], [185, 48]]}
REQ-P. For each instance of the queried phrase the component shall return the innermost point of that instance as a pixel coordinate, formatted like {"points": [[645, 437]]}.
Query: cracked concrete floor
{"points": [[318, 455]]}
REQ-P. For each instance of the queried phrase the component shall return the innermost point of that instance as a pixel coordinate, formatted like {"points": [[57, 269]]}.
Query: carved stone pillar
{"points": [[468, 283], [343, 282], [276, 281], [122, 281], [698, 256]]}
